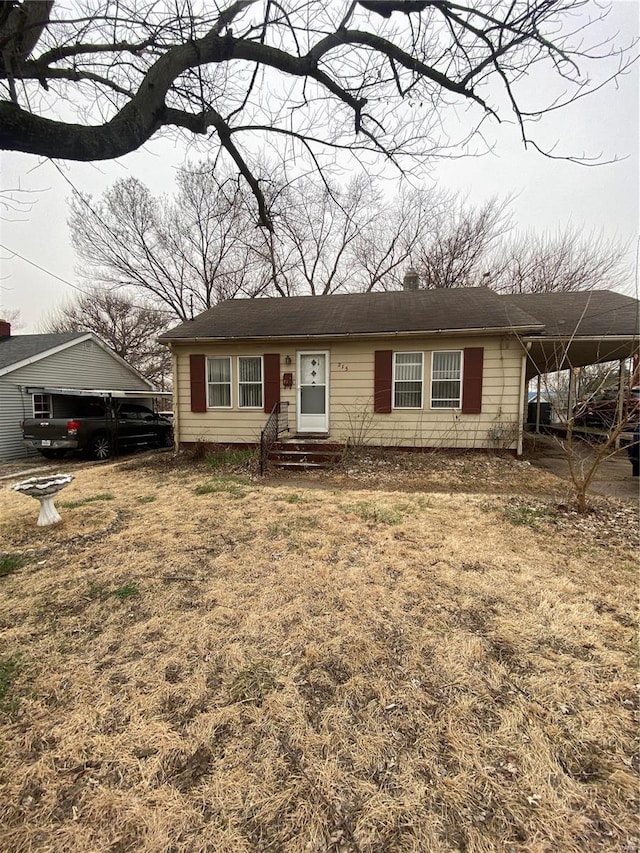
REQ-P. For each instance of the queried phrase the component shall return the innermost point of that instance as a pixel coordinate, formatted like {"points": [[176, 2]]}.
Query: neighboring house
{"points": [[36, 369], [412, 368]]}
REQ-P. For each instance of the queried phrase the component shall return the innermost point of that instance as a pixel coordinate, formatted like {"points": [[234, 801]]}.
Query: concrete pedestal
{"points": [[45, 489]]}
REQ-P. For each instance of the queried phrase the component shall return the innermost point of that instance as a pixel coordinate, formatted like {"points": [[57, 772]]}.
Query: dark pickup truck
{"points": [[602, 410], [99, 431]]}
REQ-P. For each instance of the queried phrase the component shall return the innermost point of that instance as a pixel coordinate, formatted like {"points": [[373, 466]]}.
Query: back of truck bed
{"points": [[51, 434]]}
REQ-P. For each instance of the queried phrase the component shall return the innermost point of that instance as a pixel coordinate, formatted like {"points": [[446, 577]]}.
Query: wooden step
{"points": [[294, 453], [285, 465], [307, 436]]}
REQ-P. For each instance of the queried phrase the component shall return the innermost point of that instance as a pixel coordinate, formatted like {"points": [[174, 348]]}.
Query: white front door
{"points": [[313, 392]]}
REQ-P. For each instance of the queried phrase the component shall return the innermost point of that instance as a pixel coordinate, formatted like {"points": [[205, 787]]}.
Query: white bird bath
{"points": [[45, 489]]}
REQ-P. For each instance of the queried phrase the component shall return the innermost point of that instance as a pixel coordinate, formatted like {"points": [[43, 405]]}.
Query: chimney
{"points": [[5, 329], [411, 280]]}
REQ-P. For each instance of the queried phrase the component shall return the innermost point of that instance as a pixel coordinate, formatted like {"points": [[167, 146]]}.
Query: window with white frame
{"points": [[219, 382], [407, 380], [41, 406], [250, 382], [446, 379]]}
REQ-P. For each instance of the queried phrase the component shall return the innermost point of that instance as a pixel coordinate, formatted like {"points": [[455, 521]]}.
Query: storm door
{"points": [[313, 392]]}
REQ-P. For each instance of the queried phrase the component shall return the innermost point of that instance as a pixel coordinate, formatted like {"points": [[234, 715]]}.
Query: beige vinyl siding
{"points": [[352, 402], [351, 415], [221, 425]]}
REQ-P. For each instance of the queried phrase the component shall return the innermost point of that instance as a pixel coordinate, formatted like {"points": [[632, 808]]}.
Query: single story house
{"points": [[40, 373], [411, 368]]}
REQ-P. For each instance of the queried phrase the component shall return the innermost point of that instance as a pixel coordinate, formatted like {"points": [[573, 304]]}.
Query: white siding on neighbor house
{"points": [[82, 365], [351, 415], [14, 407]]}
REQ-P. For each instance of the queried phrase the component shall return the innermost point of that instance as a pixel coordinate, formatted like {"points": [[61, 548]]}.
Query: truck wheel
{"points": [[100, 447], [167, 440]]}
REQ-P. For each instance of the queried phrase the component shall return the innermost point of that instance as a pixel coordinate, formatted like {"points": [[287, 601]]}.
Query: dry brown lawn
{"points": [[197, 661]]}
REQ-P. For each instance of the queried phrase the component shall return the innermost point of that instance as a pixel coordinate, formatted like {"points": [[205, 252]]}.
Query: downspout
{"points": [[620, 402], [571, 394], [176, 398], [523, 394]]}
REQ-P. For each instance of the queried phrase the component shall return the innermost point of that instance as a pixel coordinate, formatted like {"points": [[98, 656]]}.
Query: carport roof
{"points": [[586, 327], [97, 392], [596, 313]]}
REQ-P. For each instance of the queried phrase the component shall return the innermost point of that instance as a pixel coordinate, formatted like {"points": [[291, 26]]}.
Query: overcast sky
{"points": [[551, 194]]}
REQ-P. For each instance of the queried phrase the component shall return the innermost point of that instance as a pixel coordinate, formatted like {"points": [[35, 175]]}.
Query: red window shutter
{"points": [[472, 381], [382, 382], [271, 361], [198, 386]]}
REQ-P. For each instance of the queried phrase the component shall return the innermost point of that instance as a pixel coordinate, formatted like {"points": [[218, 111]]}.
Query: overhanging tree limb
{"points": [[315, 70]]}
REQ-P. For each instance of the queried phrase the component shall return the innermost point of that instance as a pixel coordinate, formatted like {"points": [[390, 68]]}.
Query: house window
{"points": [[446, 379], [219, 382], [250, 382], [41, 406], [407, 380]]}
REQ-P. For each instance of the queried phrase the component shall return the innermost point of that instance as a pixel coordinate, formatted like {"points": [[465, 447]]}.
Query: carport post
{"points": [[620, 404], [572, 393], [538, 404]]}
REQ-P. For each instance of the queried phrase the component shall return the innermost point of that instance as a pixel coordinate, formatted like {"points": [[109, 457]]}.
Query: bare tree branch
{"points": [[316, 71]]}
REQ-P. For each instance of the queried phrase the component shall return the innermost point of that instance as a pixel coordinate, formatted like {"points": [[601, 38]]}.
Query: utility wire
{"points": [[42, 269], [75, 286]]}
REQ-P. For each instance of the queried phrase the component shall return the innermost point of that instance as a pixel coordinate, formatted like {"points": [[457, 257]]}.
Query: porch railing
{"points": [[277, 423]]}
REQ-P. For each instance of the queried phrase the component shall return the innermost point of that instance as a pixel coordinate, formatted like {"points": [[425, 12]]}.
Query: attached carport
{"points": [[580, 329]]}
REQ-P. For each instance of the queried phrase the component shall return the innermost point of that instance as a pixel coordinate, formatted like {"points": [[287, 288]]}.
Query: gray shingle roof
{"points": [[17, 348], [356, 314], [598, 313]]}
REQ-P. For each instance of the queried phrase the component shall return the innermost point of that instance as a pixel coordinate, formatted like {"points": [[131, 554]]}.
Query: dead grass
{"points": [[298, 669]]}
